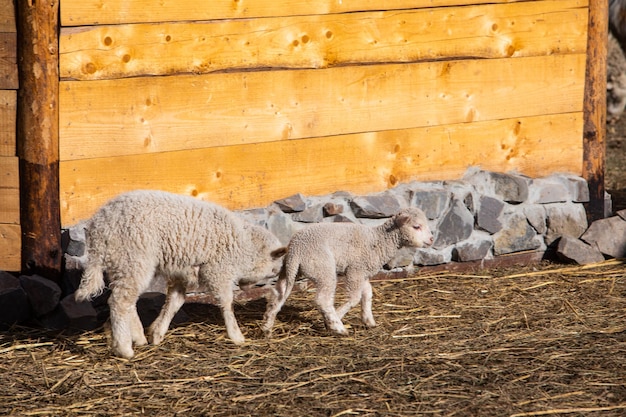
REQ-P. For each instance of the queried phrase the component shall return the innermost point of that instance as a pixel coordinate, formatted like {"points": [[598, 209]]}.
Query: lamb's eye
{"points": [[418, 227]]}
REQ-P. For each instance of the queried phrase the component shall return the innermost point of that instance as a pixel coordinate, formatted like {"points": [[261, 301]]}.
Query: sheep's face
{"points": [[267, 259], [414, 229]]}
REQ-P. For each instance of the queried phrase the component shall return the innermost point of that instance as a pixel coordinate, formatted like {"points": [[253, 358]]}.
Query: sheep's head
{"points": [[266, 257], [414, 229]]}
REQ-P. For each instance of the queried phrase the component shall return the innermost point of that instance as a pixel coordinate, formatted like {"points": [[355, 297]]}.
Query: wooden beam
{"points": [[38, 136], [594, 146]]}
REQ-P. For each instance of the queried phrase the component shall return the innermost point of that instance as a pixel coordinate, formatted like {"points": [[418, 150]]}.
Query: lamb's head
{"points": [[413, 227], [267, 254]]}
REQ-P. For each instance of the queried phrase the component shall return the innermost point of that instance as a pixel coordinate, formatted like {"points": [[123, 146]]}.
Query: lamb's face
{"points": [[268, 258], [414, 228]]}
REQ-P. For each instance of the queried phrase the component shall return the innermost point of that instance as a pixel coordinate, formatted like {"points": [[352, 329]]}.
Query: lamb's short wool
{"points": [[192, 243], [321, 252]]}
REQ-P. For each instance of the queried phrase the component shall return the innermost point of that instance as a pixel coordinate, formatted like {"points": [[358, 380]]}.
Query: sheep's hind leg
{"points": [[366, 304], [173, 302], [274, 304], [354, 290], [325, 300], [122, 307], [136, 329]]}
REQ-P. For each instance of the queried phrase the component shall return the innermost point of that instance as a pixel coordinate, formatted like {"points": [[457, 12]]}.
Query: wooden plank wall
{"points": [[10, 233], [243, 102]]}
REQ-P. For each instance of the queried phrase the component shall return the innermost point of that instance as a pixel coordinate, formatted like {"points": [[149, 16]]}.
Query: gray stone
{"points": [[292, 203], [476, 248], [43, 293], [547, 190], [463, 191], [430, 257], [512, 188], [571, 249], [456, 225], [608, 205], [72, 273], [79, 316], [433, 202], [377, 206], [311, 214], [14, 305], [256, 216], [567, 219], [332, 209], [488, 214], [622, 214], [75, 239], [577, 186], [340, 218], [403, 258], [536, 216], [608, 235], [516, 235], [281, 225]]}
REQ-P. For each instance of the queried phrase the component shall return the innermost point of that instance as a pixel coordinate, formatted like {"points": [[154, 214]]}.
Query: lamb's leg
{"points": [[173, 302], [275, 303], [354, 290], [136, 329], [122, 306], [325, 300]]}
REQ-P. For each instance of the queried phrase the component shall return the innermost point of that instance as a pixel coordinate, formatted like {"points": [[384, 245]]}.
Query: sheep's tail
{"points": [[290, 274], [92, 282]]}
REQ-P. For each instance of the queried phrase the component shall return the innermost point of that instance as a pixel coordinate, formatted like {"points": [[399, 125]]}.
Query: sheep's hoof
{"points": [[125, 353]]}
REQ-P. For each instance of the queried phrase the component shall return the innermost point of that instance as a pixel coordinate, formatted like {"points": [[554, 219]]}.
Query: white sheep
{"points": [[192, 243], [320, 252]]}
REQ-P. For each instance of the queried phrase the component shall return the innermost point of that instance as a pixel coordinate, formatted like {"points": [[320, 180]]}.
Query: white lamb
{"points": [[322, 251], [193, 244]]}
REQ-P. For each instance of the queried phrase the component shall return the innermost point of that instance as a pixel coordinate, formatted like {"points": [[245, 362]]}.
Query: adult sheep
{"points": [[192, 243], [320, 252]]}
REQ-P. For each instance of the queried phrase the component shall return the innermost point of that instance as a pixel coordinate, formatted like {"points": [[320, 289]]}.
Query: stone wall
{"points": [[479, 218]]}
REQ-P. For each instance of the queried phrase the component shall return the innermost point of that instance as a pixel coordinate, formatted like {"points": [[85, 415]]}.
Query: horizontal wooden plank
{"points": [[9, 205], [9, 172], [8, 112], [99, 12], [10, 247], [254, 175], [158, 114], [483, 31], [8, 61]]}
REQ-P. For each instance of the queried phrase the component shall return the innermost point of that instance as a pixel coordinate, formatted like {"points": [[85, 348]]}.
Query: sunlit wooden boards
{"points": [[10, 233], [311, 99]]}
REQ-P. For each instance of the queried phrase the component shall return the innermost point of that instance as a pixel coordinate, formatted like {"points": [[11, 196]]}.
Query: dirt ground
{"points": [[536, 340]]}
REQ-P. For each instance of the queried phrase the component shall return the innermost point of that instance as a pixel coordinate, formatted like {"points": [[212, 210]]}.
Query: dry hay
{"points": [[543, 340]]}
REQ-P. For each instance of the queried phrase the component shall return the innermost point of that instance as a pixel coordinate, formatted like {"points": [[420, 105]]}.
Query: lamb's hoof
{"points": [[126, 353], [141, 341]]}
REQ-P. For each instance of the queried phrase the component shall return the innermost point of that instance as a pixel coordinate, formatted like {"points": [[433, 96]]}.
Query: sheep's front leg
{"points": [[279, 295], [354, 289], [173, 302], [136, 329]]}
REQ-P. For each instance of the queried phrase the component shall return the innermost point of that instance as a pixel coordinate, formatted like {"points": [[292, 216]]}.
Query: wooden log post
{"points": [[38, 136], [594, 107]]}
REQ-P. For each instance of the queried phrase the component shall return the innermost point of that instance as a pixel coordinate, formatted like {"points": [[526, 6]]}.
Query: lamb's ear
{"points": [[278, 253], [402, 219]]}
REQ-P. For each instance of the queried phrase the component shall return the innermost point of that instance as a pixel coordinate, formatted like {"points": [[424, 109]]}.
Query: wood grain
{"points": [[320, 41], [254, 175], [162, 114], [94, 12], [10, 247]]}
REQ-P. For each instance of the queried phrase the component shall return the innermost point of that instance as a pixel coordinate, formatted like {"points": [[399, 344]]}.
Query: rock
{"points": [[292, 203], [256, 216], [281, 225], [79, 316], [511, 188], [536, 216], [463, 191], [568, 219], [403, 258], [340, 218], [331, 209], [311, 214], [429, 257], [548, 190], [43, 294], [456, 225], [571, 249], [577, 187], [75, 237], [376, 206], [489, 211], [608, 236], [14, 305], [516, 236], [477, 247], [432, 202]]}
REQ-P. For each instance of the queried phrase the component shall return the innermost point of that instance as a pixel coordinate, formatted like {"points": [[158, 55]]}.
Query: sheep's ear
{"points": [[278, 253], [402, 219]]}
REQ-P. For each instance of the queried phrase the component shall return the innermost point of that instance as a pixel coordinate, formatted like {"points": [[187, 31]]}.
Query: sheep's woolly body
{"points": [[322, 251], [190, 242]]}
